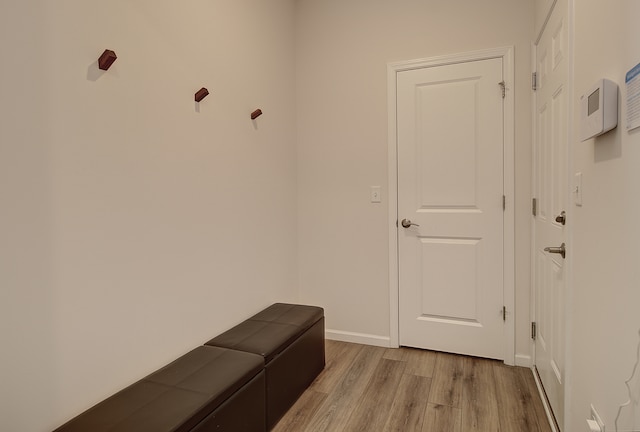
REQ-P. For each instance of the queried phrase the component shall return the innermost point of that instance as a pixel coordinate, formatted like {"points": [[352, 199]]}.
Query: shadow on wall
{"points": [[608, 146]]}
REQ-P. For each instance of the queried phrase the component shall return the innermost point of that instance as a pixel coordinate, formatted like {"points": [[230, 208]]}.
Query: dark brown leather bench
{"points": [[291, 340], [241, 381], [207, 389]]}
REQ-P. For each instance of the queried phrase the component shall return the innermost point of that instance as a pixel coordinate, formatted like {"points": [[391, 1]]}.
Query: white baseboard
{"points": [[360, 338], [521, 360], [524, 360]]}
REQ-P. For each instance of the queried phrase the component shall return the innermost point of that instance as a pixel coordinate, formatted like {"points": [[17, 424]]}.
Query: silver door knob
{"points": [[406, 223], [562, 219], [557, 250]]}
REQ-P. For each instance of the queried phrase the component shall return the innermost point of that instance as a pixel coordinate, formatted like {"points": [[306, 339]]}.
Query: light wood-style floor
{"points": [[372, 389]]}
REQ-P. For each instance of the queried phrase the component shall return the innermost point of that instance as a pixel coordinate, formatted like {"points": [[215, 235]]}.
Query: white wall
{"points": [[135, 225], [342, 50], [606, 252]]}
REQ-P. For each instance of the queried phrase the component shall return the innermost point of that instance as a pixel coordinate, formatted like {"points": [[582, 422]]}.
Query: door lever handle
{"points": [[557, 250], [406, 223]]}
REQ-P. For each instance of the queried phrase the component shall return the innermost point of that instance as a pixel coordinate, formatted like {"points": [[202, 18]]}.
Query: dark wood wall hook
{"points": [[201, 94], [257, 113], [106, 59]]}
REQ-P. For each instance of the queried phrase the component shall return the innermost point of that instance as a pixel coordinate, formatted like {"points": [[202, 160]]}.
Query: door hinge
{"points": [[534, 81], [504, 313], [504, 202], [534, 206], [534, 330], [503, 86]]}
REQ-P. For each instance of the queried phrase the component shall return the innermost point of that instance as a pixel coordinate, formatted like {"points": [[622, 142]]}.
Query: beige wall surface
{"points": [[342, 51], [605, 296], [136, 225]]}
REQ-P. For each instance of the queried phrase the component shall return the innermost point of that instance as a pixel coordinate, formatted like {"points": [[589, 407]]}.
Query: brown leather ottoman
{"points": [[207, 389], [291, 340]]}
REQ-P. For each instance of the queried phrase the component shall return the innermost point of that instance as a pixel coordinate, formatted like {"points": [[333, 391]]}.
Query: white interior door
{"points": [[550, 192], [450, 188]]}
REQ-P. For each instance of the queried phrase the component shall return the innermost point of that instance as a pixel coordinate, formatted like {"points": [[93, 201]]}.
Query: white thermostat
{"points": [[599, 109]]}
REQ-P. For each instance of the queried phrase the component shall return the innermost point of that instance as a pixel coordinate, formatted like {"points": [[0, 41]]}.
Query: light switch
{"points": [[375, 194]]}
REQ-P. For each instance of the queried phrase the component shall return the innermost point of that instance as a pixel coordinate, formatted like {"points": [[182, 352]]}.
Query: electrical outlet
{"points": [[596, 417]]}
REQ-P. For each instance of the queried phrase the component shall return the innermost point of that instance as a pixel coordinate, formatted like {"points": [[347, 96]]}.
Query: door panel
{"points": [[454, 117], [450, 185], [442, 260]]}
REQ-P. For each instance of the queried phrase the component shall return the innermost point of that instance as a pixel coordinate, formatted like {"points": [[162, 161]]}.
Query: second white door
{"points": [[450, 207], [550, 189]]}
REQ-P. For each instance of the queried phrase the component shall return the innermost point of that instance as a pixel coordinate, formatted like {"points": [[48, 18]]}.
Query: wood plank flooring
{"points": [[372, 389]]}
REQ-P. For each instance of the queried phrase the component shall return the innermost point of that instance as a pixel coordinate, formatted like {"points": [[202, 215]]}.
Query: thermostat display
{"points": [[599, 109], [594, 101]]}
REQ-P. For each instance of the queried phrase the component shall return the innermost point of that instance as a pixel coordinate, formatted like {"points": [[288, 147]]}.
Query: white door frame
{"points": [[506, 54]]}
